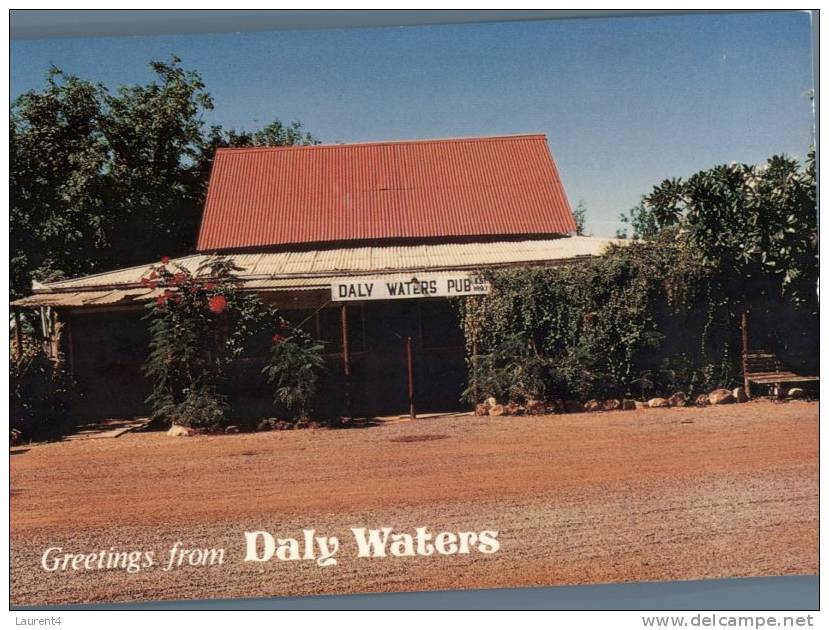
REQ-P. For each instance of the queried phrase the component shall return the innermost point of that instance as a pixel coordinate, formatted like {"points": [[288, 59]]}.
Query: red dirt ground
{"points": [[658, 494]]}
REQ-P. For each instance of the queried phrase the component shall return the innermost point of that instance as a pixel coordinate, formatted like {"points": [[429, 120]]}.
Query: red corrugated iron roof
{"points": [[468, 187]]}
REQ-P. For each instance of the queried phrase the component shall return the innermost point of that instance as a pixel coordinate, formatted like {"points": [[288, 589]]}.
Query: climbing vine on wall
{"points": [[645, 318]]}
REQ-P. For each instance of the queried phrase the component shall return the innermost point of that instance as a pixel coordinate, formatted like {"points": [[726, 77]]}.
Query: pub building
{"points": [[364, 245]]}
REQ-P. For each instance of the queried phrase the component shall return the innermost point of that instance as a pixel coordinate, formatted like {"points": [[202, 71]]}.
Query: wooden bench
{"points": [[765, 369]]}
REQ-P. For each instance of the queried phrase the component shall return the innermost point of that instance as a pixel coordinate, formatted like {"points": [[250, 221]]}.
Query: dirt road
{"points": [[657, 494]]}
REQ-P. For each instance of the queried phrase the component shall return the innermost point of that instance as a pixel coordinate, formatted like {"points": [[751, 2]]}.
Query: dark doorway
{"points": [[107, 354], [441, 370], [388, 324], [439, 367]]}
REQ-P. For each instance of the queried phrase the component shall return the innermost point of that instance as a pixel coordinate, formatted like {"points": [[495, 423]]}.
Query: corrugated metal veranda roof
{"points": [[304, 270]]}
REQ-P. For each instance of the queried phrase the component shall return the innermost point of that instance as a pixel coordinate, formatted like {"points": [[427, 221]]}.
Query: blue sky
{"points": [[625, 102]]}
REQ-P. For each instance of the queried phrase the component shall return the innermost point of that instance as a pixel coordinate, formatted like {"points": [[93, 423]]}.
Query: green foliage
{"points": [[102, 180], [295, 365], [512, 370], [640, 220], [662, 314], [756, 225], [203, 322], [199, 323], [273, 134], [580, 215], [640, 318], [40, 394], [199, 407], [57, 157]]}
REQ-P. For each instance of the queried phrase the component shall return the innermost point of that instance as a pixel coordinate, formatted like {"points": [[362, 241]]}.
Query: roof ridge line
{"points": [[458, 139]]}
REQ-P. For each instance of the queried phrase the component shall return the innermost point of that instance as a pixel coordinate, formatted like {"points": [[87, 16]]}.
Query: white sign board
{"points": [[407, 287]]}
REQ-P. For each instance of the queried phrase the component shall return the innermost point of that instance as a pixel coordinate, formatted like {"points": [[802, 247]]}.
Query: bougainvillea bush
{"points": [[200, 323]]}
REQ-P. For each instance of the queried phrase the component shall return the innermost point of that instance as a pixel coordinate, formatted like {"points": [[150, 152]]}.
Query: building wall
{"points": [[106, 352], [108, 349]]}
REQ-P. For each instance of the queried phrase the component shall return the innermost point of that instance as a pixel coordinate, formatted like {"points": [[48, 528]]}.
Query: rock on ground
{"points": [[721, 397], [739, 395], [654, 403], [514, 409], [535, 407]]}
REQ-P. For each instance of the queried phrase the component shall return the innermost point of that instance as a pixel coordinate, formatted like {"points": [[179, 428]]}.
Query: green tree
{"points": [[57, 181], [663, 314], [641, 221], [155, 176], [580, 214], [274, 134], [101, 179], [757, 225]]}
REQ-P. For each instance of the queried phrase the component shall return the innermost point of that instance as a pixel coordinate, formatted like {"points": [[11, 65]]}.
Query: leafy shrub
{"points": [[199, 323], [638, 321], [512, 371], [294, 368], [40, 394], [200, 407]]}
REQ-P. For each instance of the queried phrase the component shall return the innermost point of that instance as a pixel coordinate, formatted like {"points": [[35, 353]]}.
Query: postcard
{"points": [[423, 308]]}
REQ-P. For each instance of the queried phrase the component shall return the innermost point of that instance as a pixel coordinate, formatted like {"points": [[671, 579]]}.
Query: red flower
{"points": [[165, 260], [178, 277], [152, 284], [168, 294], [161, 300], [217, 303], [209, 286], [277, 338]]}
